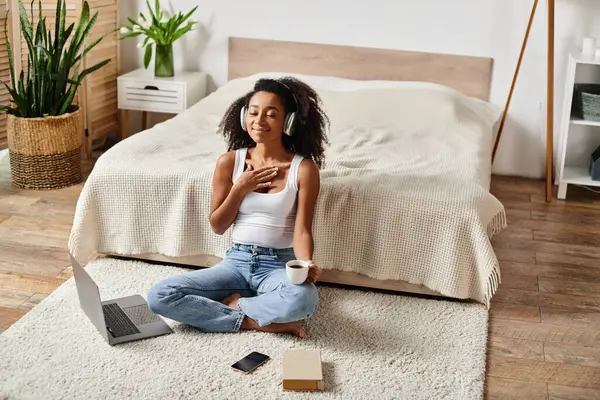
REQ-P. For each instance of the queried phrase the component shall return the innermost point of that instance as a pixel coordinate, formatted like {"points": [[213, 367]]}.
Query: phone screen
{"points": [[250, 362]]}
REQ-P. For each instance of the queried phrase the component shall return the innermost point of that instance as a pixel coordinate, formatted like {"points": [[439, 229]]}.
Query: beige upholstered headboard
{"points": [[470, 75]]}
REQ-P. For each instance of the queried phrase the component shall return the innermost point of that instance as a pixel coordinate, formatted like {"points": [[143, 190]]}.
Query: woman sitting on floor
{"points": [[266, 186]]}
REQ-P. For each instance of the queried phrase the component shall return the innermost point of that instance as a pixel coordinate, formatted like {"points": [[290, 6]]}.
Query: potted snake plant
{"points": [[44, 124]]}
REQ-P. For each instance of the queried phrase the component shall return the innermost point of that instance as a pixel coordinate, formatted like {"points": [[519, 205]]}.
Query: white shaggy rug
{"points": [[373, 345]]}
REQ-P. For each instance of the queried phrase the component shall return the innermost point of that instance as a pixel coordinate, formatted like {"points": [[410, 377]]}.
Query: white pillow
{"points": [[491, 112]]}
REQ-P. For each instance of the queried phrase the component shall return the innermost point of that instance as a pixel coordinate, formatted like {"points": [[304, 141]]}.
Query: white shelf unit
{"points": [[579, 138]]}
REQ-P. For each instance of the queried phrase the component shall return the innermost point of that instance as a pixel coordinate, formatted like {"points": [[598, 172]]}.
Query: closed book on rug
{"points": [[302, 370]]}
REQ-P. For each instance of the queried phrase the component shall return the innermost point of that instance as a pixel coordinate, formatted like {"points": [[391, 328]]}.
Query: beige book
{"points": [[302, 370]]}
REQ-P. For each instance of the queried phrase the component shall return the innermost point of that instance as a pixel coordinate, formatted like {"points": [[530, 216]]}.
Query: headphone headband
{"points": [[288, 89]]}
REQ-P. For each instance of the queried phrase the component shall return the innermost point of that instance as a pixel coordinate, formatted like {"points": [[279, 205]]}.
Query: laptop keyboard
{"points": [[117, 321]]}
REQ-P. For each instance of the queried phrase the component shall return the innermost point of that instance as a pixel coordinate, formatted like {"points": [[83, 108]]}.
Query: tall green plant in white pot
{"points": [[161, 30], [43, 124]]}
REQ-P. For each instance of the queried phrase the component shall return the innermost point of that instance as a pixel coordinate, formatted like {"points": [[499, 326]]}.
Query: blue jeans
{"points": [[256, 273]]}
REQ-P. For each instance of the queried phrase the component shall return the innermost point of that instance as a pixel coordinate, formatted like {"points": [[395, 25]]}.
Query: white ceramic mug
{"points": [[296, 271]]}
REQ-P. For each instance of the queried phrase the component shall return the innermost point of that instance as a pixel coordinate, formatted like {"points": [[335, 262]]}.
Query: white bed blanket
{"points": [[404, 192]]}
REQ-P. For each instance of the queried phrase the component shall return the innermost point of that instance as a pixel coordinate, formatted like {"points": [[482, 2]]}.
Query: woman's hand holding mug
{"points": [[314, 272], [300, 271]]}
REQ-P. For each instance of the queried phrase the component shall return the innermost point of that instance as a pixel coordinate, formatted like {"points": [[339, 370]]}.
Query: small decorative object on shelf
{"points": [[595, 165], [586, 101], [161, 30]]}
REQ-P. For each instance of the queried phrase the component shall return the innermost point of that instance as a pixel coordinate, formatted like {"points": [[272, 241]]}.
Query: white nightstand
{"points": [[140, 90]]}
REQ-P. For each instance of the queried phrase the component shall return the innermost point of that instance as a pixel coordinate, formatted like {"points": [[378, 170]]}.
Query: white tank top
{"points": [[266, 219]]}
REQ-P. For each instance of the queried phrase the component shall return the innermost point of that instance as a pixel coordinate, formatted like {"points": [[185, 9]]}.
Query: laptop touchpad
{"points": [[141, 315]]}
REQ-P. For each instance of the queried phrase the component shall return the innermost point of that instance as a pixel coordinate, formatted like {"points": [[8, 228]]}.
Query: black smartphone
{"points": [[250, 362]]}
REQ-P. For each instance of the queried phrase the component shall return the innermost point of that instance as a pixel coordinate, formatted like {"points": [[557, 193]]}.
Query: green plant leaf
{"points": [[91, 46], [148, 55], [86, 32], [63, 34], [32, 59], [76, 45], [180, 20], [69, 99], [27, 28], [38, 31], [79, 79], [129, 35], [92, 69], [57, 22], [83, 22], [158, 11], [58, 63], [55, 110], [182, 32], [150, 11], [19, 100], [25, 24], [133, 22], [155, 18], [44, 50], [28, 69], [188, 15], [20, 103], [157, 34], [10, 54]]}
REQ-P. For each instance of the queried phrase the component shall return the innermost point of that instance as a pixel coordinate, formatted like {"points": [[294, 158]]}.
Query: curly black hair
{"points": [[310, 135]]}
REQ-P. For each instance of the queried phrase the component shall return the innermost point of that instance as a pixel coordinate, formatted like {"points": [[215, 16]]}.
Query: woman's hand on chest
{"points": [[253, 179], [277, 181]]}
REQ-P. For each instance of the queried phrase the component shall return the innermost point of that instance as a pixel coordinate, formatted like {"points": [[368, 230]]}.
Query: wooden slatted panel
{"points": [[101, 85], [4, 77], [102, 3]]}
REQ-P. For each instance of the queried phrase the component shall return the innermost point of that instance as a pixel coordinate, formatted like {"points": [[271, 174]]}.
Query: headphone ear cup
{"points": [[289, 124], [243, 115]]}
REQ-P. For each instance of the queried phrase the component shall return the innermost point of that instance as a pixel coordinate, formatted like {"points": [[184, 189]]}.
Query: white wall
{"points": [[491, 28]]}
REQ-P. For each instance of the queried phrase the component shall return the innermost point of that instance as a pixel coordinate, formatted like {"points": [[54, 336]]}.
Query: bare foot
{"points": [[293, 328], [232, 300]]}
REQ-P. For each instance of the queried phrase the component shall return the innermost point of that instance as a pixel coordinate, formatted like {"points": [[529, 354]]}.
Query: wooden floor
{"points": [[544, 333]]}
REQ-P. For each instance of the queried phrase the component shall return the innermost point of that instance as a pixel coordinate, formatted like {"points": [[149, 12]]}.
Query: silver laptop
{"points": [[119, 320]]}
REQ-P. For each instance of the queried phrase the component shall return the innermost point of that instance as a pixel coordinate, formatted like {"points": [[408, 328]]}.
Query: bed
{"points": [[404, 202]]}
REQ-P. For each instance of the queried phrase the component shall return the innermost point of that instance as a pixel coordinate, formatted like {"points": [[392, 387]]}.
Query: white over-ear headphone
{"points": [[290, 121]]}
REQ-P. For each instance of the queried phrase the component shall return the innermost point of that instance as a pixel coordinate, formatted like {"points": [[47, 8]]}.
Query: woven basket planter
{"points": [[45, 153]]}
